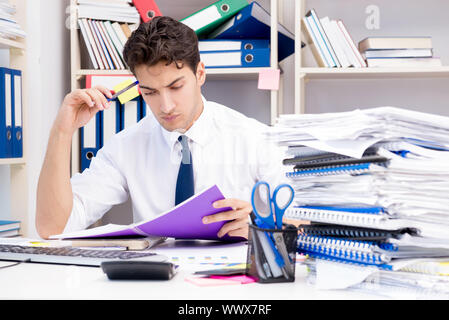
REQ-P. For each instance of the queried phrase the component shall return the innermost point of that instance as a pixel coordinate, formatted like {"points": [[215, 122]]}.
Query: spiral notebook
{"points": [[363, 252], [356, 168], [353, 233], [366, 252], [368, 217]]}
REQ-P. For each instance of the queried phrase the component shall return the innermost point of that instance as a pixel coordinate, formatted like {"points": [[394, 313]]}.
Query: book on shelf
{"points": [[9, 28], [376, 43], [104, 41], [399, 52], [404, 62], [331, 44]]}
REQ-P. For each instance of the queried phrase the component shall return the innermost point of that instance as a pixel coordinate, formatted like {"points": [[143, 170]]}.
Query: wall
{"points": [[48, 81]]}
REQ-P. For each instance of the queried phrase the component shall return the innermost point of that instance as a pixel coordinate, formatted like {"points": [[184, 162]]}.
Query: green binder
{"points": [[210, 17]]}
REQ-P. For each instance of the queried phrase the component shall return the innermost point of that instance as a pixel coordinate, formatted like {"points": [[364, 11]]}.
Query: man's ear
{"points": [[201, 73]]}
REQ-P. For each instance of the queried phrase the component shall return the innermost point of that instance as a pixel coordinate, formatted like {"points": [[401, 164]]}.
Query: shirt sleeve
{"points": [[95, 191]]}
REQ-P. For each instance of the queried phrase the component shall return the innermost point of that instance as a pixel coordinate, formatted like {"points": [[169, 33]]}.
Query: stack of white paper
{"points": [[412, 185]]}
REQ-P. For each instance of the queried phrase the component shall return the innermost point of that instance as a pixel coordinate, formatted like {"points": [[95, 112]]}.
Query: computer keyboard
{"points": [[70, 255]]}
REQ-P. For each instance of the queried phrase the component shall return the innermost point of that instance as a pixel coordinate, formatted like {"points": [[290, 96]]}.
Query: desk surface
{"points": [[49, 281]]}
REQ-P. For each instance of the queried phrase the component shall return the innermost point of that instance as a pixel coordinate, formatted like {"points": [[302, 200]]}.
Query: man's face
{"points": [[173, 95]]}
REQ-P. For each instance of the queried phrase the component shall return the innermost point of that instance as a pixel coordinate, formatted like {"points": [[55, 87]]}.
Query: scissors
{"points": [[269, 211]]}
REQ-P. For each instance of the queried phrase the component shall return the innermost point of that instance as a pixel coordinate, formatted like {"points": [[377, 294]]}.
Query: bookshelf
{"points": [[78, 73], [18, 166], [303, 73]]}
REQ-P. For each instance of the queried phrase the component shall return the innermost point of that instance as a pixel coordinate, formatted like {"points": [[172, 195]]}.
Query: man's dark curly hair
{"points": [[162, 39]]}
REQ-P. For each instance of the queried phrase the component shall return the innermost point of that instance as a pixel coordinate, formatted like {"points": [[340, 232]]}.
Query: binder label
{"points": [[8, 100], [202, 18]]}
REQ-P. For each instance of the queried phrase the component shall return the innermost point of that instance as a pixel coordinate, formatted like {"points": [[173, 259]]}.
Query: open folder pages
{"points": [[183, 221]]}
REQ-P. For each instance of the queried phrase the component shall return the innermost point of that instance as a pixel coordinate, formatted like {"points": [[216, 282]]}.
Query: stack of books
{"points": [[112, 10], [399, 52], [9, 28], [330, 42], [9, 228], [236, 34], [372, 185]]}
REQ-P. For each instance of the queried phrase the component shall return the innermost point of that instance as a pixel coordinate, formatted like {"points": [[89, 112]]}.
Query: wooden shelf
{"points": [[7, 161], [213, 74], [373, 73], [11, 44]]}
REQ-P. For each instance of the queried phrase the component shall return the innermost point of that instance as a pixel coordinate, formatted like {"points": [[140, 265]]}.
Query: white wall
{"points": [[48, 81]]}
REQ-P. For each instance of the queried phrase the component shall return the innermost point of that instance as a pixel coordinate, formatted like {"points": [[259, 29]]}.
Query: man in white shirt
{"points": [[187, 145]]}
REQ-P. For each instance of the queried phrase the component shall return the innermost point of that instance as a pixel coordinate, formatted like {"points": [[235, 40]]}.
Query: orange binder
{"points": [[147, 9]]}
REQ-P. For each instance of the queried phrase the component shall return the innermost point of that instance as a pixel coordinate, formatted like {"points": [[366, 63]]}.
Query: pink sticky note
{"points": [[269, 79], [243, 279], [206, 282]]}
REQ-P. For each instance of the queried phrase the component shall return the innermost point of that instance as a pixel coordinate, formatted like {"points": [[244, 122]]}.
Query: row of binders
{"points": [[107, 123], [235, 34], [11, 142], [9, 27], [372, 185]]}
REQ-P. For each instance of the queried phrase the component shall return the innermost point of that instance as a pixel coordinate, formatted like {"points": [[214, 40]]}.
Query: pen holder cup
{"points": [[271, 254]]}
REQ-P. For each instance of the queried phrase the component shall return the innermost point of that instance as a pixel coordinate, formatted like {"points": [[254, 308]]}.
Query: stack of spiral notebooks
{"points": [[383, 208]]}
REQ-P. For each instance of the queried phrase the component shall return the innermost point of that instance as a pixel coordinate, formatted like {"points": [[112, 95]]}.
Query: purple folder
{"points": [[183, 221]]}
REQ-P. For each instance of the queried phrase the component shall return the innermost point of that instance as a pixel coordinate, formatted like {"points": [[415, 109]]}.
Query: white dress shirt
{"points": [[142, 162]]}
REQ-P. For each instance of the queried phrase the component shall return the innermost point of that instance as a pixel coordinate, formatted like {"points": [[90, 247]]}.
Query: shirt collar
{"points": [[197, 132]]}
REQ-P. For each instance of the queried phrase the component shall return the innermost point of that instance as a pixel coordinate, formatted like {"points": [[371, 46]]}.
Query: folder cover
{"points": [[17, 136], [210, 17], [183, 221], [147, 9], [90, 140], [130, 113], [253, 22], [237, 59], [6, 142], [232, 44], [110, 121]]}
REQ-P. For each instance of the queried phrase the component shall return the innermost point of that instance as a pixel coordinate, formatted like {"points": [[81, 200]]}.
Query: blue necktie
{"points": [[184, 184]]}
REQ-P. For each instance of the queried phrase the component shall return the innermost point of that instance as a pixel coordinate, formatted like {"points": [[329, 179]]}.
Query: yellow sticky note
{"points": [[127, 95]]}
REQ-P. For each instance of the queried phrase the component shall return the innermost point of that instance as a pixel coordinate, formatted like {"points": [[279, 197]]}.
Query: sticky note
{"points": [[243, 279], [129, 94], [269, 79]]}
